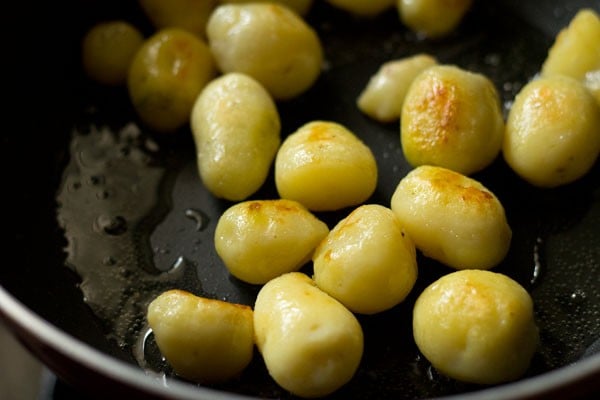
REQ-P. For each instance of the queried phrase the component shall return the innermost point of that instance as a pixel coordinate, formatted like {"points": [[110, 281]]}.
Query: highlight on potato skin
{"points": [[476, 326], [258, 240], [452, 218], [311, 344], [204, 340]]}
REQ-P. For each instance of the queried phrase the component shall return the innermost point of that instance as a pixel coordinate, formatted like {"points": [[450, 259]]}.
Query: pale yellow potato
{"points": [[190, 15], [476, 326], [166, 75], [367, 262], [302, 7], [451, 118], [592, 83], [325, 167], [433, 18], [311, 344], [363, 8], [384, 94], [237, 131], [269, 42], [107, 50], [204, 340], [576, 49], [259, 240], [552, 132], [452, 218]]}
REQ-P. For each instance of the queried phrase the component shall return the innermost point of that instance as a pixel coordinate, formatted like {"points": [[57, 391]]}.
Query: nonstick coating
{"points": [[86, 324]]}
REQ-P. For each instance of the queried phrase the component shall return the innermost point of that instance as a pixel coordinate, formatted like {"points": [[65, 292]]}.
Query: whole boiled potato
{"points": [[190, 15], [576, 49], [107, 50], [363, 8], [476, 326], [236, 129], [452, 218], [452, 118], [165, 77], [204, 340], [269, 42], [433, 18], [367, 261], [384, 95], [325, 167], [311, 344], [259, 240], [300, 6], [552, 136]]}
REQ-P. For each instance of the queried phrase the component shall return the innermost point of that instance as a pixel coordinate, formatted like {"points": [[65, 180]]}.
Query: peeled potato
{"points": [[236, 129], [452, 218], [107, 50], [476, 326], [259, 240], [452, 118], [269, 42], [204, 340], [433, 18], [190, 15], [384, 94], [576, 49], [367, 261], [363, 8], [311, 344], [165, 77], [552, 135], [325, 167], [300, 6]]}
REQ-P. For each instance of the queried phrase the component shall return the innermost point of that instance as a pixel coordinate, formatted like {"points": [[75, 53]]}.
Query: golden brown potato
{"points": [[325, 167], [165, 77], [452, 218], [236, 129], [452, 118], [367, 262], [300, 6], [552, 135], [311, 344], [259, 240], [433, 18], [384, 94], [576, 49], [476, 326], [363, 8], [204, 340], [107, 50], [190, 15], [269, 42]]}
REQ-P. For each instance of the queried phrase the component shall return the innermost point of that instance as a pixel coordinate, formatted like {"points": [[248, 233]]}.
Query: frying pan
{"points": [[102, 214]]}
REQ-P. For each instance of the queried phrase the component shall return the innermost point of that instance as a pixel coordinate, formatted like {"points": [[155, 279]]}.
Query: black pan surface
{"points": [[105, 214]]}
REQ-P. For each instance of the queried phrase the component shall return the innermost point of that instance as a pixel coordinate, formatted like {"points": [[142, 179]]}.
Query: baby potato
{"points": [[433, 18], [325, 167], [236, 129], [367, 262], [190, 15], [452, 218], [259, 240], [452, 118], [363, 8], [165, 77], [204, 340], [311, 344], [384, 94], [552, 135], [269, 42], [476, 326], [300, 6], [576, 49], [107, 50]]}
